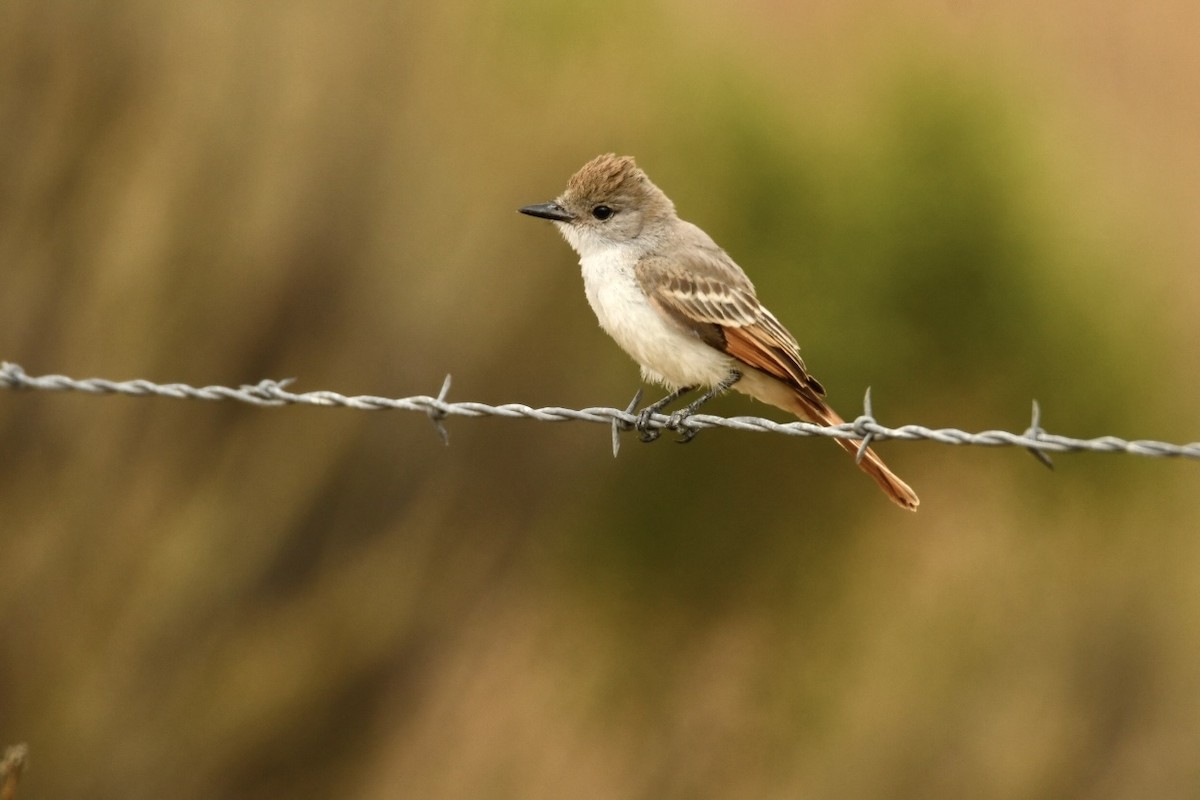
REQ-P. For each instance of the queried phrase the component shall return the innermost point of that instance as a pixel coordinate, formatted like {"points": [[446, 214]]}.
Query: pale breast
{"points": [[666, 352]]}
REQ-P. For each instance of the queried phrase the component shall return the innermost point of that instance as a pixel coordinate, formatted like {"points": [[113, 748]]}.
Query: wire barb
{"points": [[860, 427], [271, 392], [12, 376], [437, 413], [619, 425], [1034, 432], [866, 428]]}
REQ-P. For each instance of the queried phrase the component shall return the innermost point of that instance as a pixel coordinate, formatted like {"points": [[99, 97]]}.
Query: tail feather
{"points": [[897, 490], [815, 410]]}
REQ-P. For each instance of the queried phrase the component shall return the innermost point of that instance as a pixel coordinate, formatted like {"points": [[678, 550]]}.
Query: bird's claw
{"points": [[646, 433], [678, 423]]}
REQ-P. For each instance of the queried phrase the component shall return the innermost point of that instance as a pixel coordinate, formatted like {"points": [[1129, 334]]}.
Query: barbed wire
{"points": [[865, 428]]}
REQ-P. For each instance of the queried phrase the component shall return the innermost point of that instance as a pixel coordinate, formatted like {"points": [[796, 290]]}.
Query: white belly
{"points": [[667, 353]]}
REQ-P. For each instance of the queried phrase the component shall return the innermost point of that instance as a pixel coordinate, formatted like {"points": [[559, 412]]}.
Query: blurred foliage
{"points": [[952, 205]]}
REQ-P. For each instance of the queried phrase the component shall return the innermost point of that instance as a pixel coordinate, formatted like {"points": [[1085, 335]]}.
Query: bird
{"points": [[682, 308]]}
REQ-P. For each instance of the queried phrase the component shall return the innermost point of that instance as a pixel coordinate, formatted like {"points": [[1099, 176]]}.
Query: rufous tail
{"points": [[897, 490]]}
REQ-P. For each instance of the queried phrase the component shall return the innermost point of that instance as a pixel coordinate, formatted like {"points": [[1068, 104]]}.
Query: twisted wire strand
{"points": [[865, 428]]}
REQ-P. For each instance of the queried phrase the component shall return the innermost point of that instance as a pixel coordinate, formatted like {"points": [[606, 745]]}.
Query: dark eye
{"points": [[602, 212]]}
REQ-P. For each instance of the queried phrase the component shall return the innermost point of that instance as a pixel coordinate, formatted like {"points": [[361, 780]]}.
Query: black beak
{"points": [[549, 210]]}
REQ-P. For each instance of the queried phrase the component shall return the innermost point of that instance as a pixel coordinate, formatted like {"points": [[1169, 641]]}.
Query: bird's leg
{"points": [[678, 418], [642, 426]]}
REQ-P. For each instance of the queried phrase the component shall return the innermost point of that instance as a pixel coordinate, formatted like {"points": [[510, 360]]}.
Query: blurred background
{"points": [[963, 205]]}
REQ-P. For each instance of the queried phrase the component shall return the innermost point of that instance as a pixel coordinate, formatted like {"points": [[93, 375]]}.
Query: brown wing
{"points": [[710, 295]]}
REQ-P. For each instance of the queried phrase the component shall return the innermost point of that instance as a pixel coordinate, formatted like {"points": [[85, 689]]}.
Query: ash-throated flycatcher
{"points": [[681, 307]]}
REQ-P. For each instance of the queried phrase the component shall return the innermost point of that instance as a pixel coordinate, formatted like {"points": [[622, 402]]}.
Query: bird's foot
{"points": [[646, 432], [678, 423]]}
